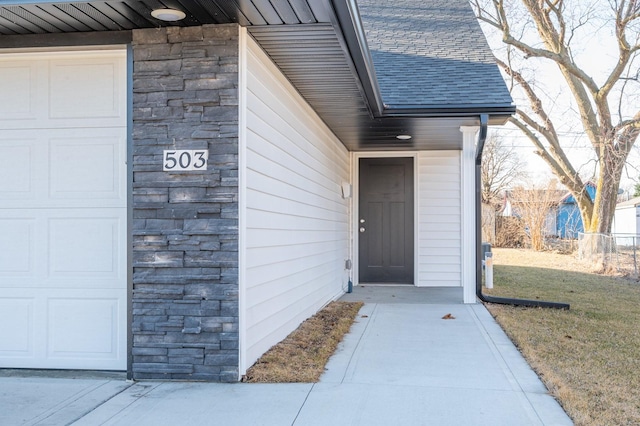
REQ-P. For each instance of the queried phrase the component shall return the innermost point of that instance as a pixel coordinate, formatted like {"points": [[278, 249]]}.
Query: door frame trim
{"points": [[355, 178]]}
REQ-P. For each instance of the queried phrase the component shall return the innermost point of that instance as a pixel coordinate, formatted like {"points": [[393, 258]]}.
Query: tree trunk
{"points": [[611, 166], [597, 245]]}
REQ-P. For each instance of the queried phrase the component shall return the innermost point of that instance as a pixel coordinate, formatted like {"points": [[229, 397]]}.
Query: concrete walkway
{"points": [[402, 363]]}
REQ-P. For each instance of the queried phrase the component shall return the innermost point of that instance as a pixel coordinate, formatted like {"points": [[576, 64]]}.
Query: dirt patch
{"points": [[302, 356]]}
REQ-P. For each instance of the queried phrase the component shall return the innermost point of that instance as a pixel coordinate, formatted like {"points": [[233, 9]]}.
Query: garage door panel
{"points": [[18, 89], [83, 328], [94, 84], [55, 328], [62, 90], [17, 168], [63, 248], [17, 246], [62, 168], [85, 247], [86, 168], [16, 333]]}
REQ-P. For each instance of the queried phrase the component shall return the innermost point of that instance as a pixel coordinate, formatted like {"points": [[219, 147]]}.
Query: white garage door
{"points": [[63, 210]]}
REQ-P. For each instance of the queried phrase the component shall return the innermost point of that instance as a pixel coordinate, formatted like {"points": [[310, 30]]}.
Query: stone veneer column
{"points": [[185, 228]]}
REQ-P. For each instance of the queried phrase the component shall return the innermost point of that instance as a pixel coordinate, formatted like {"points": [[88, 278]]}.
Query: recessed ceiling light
{"points": [[168, 15], [403, 137]]}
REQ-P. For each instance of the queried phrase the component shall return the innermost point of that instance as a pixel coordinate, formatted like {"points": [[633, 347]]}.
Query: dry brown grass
{"points": [[589, 356], [301, 357]]}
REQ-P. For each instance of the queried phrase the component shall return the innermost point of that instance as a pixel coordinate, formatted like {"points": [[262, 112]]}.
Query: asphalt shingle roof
{"points": [[430, 53]]}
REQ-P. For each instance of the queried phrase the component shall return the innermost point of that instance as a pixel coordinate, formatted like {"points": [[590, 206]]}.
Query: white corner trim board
{"points": [[469, 135]]}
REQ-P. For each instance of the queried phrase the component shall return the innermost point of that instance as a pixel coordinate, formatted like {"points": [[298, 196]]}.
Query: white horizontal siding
{"points": [[625, 220], [439, 219], [296, 234]]}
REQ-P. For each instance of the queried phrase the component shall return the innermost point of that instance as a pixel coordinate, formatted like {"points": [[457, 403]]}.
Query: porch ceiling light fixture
{"points": [[168, 15], [403, 137]]}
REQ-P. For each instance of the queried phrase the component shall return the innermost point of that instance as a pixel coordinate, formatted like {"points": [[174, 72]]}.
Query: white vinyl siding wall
{"points": [[296, 223], [626, 220], [439, 219]]}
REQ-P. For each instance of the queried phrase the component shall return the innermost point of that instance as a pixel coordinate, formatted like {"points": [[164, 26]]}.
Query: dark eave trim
{"points": [[347, 22], [65, 39], [23, 2], [449, 111]]}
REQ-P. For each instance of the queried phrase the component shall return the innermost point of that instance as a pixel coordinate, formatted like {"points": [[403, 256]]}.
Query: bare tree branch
{"points": [[501, 167], [557, 23], [533, 204]]}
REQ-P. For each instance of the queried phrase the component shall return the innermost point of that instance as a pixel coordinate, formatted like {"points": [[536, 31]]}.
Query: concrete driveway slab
{"points": [[190, 403], [366, 404], [53, 401]]}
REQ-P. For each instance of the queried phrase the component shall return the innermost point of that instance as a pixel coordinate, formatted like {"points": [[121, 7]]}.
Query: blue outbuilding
{"points": [[568, 219]]}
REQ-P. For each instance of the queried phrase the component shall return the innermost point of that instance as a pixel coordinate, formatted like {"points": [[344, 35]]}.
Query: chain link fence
{"points": [[615, 252], [628, 246]]}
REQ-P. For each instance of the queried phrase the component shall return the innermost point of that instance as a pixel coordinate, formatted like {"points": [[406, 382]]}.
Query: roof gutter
{"points": [[499, 111], [484, 122], [22, 2]]}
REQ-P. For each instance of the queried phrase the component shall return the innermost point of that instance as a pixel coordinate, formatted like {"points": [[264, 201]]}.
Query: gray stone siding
{"points": [[185, 226]]}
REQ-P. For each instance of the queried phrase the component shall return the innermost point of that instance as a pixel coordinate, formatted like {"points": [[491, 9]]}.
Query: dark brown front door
{"points": [[386, 220]]}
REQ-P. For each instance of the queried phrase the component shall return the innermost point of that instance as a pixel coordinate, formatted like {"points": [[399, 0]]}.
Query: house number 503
{"points": [[184, 160]]}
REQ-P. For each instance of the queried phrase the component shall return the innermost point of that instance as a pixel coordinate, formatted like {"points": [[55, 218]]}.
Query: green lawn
{"points": [[588, 356]]}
